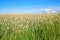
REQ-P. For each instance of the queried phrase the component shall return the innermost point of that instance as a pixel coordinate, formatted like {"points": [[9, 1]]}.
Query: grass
{"points": [[29, 26]]}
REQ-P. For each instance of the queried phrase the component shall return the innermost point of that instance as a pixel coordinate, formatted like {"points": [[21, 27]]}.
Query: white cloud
{"points": [[49, 10]]}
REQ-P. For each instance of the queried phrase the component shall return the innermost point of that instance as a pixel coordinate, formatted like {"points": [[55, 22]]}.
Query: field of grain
{"points": [[29, 26]]}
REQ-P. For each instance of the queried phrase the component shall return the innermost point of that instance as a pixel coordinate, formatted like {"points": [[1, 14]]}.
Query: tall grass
{"points": [[30, 27]]}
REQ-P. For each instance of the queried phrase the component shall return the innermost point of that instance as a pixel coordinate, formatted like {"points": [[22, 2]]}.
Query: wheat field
{"points": [[29, 26]]}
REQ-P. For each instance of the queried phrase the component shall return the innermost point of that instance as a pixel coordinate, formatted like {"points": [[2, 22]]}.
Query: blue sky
{"points": [[27, 6]]}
